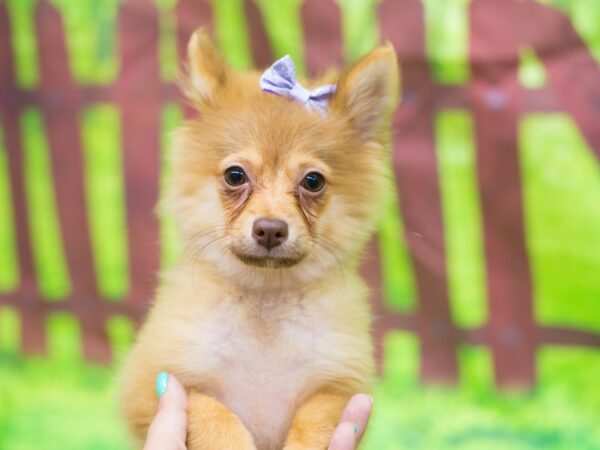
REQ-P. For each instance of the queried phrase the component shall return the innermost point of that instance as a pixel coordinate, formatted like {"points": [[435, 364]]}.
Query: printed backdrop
{"points": [[485, 270]]}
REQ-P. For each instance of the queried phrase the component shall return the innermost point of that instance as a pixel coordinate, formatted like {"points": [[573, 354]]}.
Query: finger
{"points": [[358, 412], [344, 437], [168, 429]]}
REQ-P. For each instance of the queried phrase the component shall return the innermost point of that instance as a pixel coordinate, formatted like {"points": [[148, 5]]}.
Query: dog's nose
{"points": [[269, 232]]}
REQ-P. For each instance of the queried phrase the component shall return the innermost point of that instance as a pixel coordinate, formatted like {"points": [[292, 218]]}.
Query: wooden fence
{"points": [[498, 29]]}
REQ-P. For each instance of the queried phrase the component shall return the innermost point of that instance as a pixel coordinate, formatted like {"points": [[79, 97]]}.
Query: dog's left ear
{"points": [[207, 71], [367, 92]]}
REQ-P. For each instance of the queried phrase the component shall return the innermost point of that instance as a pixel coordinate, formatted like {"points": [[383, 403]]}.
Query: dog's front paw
{"points": [[212, 426], [297, 446], [233, 438], [233, 441]]}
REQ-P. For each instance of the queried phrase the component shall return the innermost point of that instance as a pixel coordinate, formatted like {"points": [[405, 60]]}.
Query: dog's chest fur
{"points": [[263, 354]]}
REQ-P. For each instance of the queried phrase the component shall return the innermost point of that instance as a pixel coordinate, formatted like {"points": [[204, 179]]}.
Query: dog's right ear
{"points": [[367, 92], [207, 71]]}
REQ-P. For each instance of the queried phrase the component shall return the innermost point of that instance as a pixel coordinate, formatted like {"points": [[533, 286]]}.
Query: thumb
{"points": [[168, 429]]}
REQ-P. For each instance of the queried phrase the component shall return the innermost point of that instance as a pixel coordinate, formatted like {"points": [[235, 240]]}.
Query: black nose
{"points": [[269, 232]]}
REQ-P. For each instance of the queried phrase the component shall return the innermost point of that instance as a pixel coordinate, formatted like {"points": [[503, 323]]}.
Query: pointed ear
{"points": [[207, 71], [367, 92]]}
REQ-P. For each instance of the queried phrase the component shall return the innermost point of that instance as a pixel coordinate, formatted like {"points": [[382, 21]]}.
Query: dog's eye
{"points": [[235, 176], [313, 182]]}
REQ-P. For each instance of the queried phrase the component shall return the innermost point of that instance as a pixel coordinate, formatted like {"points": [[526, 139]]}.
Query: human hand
{"points": [[352, 424], [168, 429]]}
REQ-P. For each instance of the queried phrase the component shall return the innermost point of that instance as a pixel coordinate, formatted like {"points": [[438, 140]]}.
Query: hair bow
{"points": [[280, 79]]}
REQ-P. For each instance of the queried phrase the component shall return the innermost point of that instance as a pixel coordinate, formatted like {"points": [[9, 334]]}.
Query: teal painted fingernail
{"points": [[161, 383], [355, 429]]}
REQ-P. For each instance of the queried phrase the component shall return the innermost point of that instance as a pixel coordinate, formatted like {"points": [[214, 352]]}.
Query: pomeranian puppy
{"points": [[264, 319]]}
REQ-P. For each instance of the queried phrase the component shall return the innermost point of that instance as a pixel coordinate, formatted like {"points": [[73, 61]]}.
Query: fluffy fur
{"points": [[270, 344]]}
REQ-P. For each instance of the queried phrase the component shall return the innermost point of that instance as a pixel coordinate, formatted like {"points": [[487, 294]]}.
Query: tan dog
{"points": [[264, 319]]}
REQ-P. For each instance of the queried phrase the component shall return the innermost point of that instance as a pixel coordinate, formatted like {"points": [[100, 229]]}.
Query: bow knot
{"points": [[280, 79]]}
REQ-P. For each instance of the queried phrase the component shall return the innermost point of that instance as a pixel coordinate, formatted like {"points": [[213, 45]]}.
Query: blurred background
{"points": [[486, 269]]}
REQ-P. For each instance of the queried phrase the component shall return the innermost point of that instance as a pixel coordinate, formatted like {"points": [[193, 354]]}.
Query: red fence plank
{"points": [[321, 20], [190, 14], [566, 336], [415, 164], [61, 118], [138, 92], [259, 41], [495, 96], [33, 341], [6, 57], [540, 100], [371, 271], [573, 72], [10, 111]]}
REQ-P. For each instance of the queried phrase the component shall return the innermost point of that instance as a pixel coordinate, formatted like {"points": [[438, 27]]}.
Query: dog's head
{"points": [[261, 183]]}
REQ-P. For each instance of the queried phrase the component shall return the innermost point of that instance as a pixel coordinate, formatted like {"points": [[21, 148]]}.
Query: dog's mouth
{"points": [[268, 261]]}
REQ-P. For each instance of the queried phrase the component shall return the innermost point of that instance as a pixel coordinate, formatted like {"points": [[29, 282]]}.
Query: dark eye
{"points": [[313, 182], [235, 176]]}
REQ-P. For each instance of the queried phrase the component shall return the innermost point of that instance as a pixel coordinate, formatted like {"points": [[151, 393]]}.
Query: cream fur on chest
{"points": [[259, 356], [263, 354]]}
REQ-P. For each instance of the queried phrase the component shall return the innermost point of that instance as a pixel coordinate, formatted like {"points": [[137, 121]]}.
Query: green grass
{"points": [[57, 402], [561, 414]]}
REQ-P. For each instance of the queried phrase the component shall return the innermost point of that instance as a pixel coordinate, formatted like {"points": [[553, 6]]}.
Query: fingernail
{"points": [[371, 398], [355, 429], [161, 383]]}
